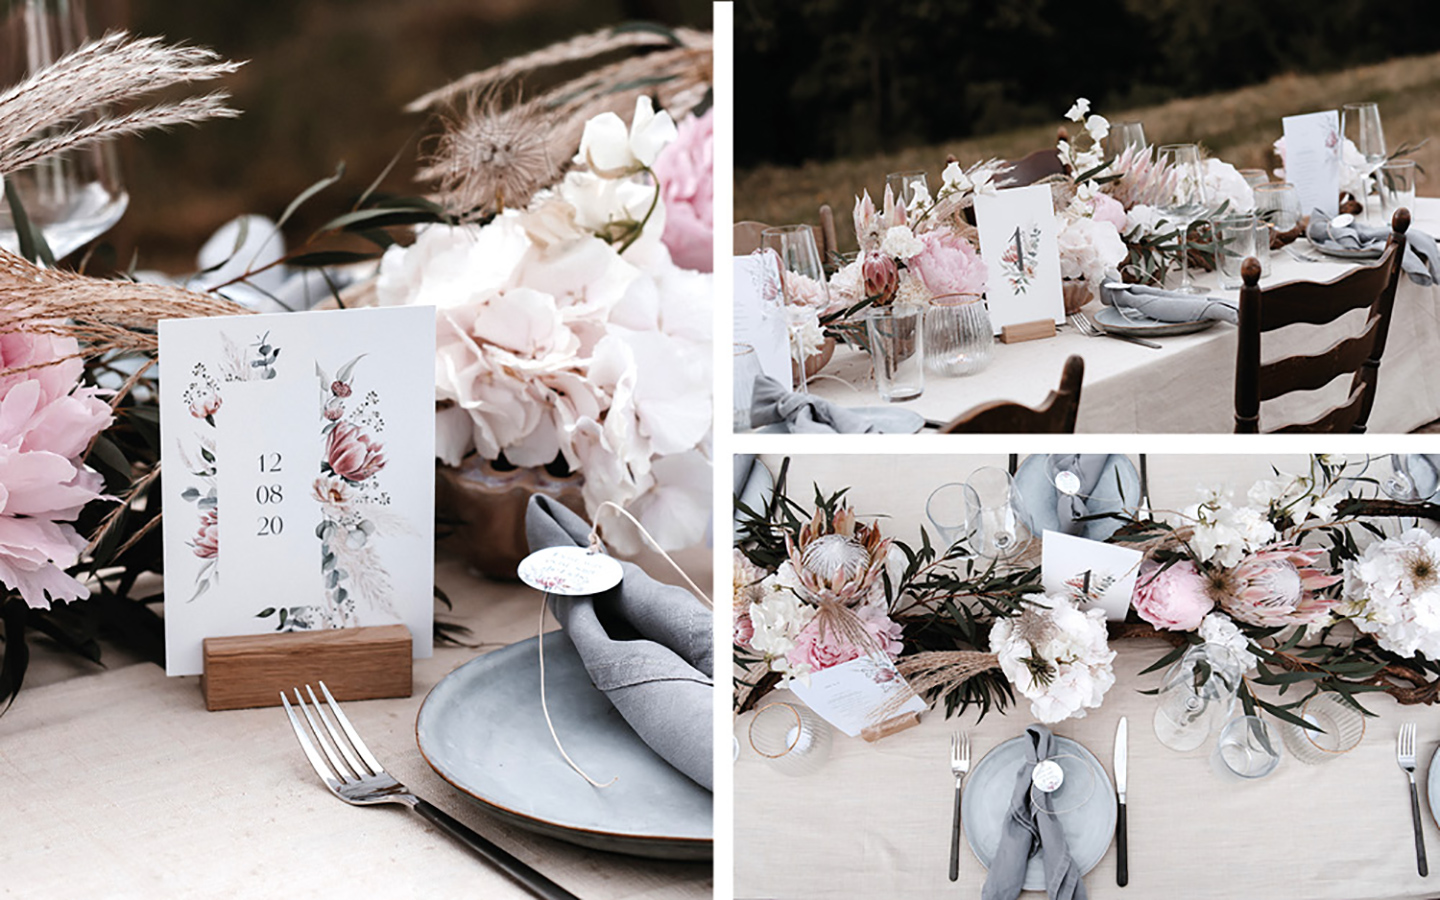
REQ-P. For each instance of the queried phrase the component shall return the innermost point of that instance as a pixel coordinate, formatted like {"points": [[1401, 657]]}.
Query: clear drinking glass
{"points": [[1237, 238], [1341, 725], [1122, 135], [802, 271], [1197, 694], [897, 351], [904, 185], [997, 529], [948, 509], [958, 336], [1247, 748], [1277, 204], [1186, 204], [1255, 177], [1414, 478], [1077, 785], [73, 197], [1360, 122], [746, 370], [790, 737], [1397, 187]]}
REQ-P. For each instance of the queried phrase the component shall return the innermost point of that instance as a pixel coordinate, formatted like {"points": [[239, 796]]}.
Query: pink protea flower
{"points": [[1175, 598], [1275, 586], [686, 171], [46, 423], [206, 542], [353, 455], [949, 264], [882, 278], [838, 559], [1142, 181]]}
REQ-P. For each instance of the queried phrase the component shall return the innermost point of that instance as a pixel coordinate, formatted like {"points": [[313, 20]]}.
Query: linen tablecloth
{"points": [[874, 820], [118, 783], [1188, 385]]}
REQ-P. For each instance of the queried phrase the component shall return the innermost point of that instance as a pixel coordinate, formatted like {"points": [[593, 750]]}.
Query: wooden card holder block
{"points": [[1027, 331], [890, 726], [355, 663]]}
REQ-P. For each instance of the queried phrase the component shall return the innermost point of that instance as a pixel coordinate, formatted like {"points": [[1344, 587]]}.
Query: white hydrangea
{"points": [[1394, 593], [1224, 533], [778, 619], [1068, 646], [1218, 629], [1225, 184], [1089, 248], [1141, 221], [806, 334]]}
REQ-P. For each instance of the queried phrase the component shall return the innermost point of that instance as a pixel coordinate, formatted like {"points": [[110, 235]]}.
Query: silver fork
{"points": [[356, 776], [1090, 329], [959, 765], [1301, 255], [1405, 756]]}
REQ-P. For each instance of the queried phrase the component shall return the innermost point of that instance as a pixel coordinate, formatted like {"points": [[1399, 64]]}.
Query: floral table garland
{"points": [[1282, 580]]}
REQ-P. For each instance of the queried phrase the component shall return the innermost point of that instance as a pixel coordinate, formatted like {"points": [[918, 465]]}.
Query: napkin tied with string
{"points": [[799, 413], [1026, 827], [648, 646], [1087, 467], [1421, 260], [1167, 306]]}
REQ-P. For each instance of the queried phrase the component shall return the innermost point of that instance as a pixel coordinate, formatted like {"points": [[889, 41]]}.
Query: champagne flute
{"points": [[1186, 204], [1360, 124], [72, 197]]}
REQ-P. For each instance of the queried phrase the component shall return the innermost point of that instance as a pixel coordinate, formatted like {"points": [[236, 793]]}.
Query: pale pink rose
{"points": [[206, 542], [686, 171], [330, 490], [334, 409], [1174, 599], [948, 264], [882, 278], [1106, 208], [46, 423], [205, 403], [744, 628], [352, 454]]}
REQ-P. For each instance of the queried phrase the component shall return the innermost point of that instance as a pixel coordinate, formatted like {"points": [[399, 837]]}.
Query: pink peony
{"points": [[1175, 599], [46, 424], [948, 264], [810, 650], [1276, 586], [1106, 208], [206, 542], [686, 171], [353, 455], [882, 278]]}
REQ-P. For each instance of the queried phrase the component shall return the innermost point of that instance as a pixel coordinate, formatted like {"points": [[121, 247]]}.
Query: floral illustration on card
{"points": [[1021, 257], [1089, 586], [354, 508], [254, 361]]}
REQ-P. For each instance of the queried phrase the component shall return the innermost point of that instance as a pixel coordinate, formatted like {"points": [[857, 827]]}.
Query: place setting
{"points": [[1151, 642]]}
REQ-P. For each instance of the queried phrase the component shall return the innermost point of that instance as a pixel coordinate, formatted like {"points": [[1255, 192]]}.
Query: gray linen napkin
{"points": [[1070, 507], [1421, 260], [1024, 828], [647, 645], [800, 413], [1167, 306]]}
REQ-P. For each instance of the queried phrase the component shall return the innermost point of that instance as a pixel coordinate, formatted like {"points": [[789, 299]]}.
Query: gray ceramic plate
{"points": [[1088, 827], [1112, 320], [482, 730], [1347, 253], [1432, 786]]}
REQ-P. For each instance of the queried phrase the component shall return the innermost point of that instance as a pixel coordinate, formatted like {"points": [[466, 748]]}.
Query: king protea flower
{"points": [[1142, 181], [1279, 585], [839, 560]]}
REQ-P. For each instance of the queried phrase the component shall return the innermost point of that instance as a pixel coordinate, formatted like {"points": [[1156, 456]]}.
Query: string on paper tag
{"points": [[596, 544]]}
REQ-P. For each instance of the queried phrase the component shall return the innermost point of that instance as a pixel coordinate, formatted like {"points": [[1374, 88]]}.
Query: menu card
{"points": [[1312, 160], [760, 315], [1092, 573], [1019, 242], [858, 694], [303, 444]]}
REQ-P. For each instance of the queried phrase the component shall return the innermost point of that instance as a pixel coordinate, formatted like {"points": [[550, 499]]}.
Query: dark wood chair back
{"points": [[1317, 303], [1030, 169], [747, 236], [1055, 416]]}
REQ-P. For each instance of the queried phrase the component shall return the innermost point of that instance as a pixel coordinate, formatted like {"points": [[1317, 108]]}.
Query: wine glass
{"points": [[802, 278], [948, 509], [905, 185], [1122, 135], [994, 519], [1360, 124], [1186, 204], [71, 197]]}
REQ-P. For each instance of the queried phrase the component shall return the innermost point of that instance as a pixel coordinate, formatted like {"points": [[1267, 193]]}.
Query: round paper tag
{"points": [[1344, 220], [1048, 776], [1067, 483], [572, 571]]}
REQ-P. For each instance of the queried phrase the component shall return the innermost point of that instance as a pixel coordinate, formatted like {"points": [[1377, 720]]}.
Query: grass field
{"points": [[1239, 127]]}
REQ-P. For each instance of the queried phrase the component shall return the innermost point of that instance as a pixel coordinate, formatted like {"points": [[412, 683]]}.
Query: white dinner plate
{"points": [[1136, 325], [1088, 827], [482, 730]]}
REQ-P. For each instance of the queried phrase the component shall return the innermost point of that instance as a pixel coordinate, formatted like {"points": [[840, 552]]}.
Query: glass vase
{"points": [[958, 336]]}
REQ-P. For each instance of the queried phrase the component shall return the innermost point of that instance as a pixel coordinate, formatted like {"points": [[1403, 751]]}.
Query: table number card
{"points": [[760, 315], [1092, 573], [1312, 160], [1020, 246], [302, 444], [858, 694]]}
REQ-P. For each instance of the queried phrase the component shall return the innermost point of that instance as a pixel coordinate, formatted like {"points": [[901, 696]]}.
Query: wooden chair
{"points": [[1030, 169], [748, 235], [1261, 311], [1055, 416]]}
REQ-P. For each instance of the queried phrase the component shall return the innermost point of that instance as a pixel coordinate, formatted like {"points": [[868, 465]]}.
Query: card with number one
{"points": [[301, 444]]}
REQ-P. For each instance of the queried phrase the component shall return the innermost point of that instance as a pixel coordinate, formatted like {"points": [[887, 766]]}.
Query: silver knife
{"points": [[1122, 760]]}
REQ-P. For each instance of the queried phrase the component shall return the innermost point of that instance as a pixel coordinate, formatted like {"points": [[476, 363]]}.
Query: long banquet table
{"points": [[874, 819], [116, 782], [1188, 384]]}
